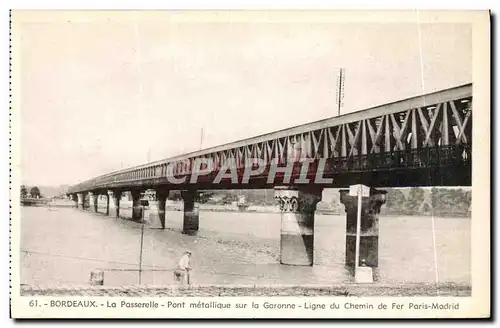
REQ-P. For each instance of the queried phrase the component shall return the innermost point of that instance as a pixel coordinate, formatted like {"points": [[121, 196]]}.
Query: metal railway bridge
{"points": [[420, 141]]}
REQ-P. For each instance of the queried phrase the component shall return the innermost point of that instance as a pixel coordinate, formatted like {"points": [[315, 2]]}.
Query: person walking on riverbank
{"points": [[182, 272]]}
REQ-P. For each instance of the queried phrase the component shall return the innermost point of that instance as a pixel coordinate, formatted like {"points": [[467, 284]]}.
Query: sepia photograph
{"points": [[169, 156]]}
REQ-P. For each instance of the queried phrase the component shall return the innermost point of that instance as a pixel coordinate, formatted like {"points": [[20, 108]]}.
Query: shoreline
{"points": [[263, 209], [346, 290]]}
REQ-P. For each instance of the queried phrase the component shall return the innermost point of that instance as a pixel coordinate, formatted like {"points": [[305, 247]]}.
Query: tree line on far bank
{"points": [[434, 201], [444, 202], [34, 192]]}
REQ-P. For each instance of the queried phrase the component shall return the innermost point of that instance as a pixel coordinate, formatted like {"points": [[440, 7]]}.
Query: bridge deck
{"points": [[439, 120]]}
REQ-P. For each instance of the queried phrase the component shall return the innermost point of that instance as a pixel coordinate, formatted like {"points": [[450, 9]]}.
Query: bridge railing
{"points": [[442, 156]]}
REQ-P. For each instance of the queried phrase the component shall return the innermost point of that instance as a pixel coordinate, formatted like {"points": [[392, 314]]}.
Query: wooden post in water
{"points": [[144, 205], [140, 254], [97, 278]]}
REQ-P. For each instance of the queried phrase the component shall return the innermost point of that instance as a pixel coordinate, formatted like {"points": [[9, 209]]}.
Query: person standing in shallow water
{"points": [[182, 272]]}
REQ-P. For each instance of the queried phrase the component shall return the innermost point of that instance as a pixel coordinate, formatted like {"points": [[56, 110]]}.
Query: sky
{"points": [[100, 94]]}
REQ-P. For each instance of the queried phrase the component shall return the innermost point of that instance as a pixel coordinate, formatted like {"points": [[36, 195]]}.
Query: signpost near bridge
{"points": [[362, 274]]}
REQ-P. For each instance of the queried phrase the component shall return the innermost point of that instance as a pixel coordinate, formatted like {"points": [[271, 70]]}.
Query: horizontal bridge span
{"points": [[434, 120]]}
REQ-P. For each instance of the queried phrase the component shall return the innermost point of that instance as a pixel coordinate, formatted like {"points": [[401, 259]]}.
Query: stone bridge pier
{"points": [[191, 222], [370, 208], [114, 197], [107, 203], [156, 217], [74, 198], [93, 201], [136, 204], [297, 206], [80, 201]]}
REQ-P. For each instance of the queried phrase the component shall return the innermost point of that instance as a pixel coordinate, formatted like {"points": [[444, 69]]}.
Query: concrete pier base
{"points": [[156, 216], [114, 203], [191, 223], [107, 204], [136, 205], [74, 198], [80, 200], [370, 208], [93, 202], [297, 208]]}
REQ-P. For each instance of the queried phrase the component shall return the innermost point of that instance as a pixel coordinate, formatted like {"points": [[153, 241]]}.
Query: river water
{"points": [[63, 245]]}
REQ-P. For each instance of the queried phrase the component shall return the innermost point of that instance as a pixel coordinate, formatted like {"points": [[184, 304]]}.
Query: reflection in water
{"points": [[64, 245]]}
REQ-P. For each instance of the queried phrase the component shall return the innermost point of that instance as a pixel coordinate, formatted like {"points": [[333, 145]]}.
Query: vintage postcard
{"points": [[250, 164]]}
